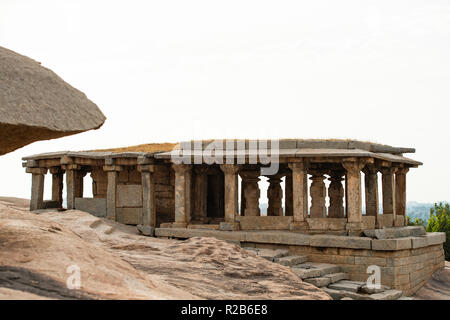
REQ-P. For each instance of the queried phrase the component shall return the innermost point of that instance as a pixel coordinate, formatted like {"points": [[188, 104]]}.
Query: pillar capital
{"points": [[297, 166], [181, 168], [230, 168], [388, 170], [36, 170], [403, 170], [112, 168], [371, 169], [146, 168], [71, 167], [56, 170], [352, 166]]}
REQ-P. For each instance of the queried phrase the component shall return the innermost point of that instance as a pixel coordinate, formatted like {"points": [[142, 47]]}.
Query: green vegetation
{"points": [[440, 222]]}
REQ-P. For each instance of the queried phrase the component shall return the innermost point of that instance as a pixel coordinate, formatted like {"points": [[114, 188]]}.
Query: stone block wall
{"points": [[165, 194], [407, 270]]}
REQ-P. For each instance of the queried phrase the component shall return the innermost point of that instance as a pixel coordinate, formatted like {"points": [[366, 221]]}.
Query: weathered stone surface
{"points": [[335, 294], [146, 230], [319, 281], [435, 238], [387, 295], [36, 104], [346, 285], [385, 220], [229, 226], [419, 242], [373, 289], [326, 223], [314, 269], [129, 195], [95, 206], [128, 215], [397, 232], [340, 242], [391, 244], [204, 226], [335, 277], [264, 222], [291, 260], [269, 254]]}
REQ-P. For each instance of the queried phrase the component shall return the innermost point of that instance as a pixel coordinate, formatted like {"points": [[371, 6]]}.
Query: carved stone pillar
{"points": [[318, 194], [400, 192], [182, 191], [288, 195], [275, 196], [371, 188], [57, 185], [354, 202], [200, 194], [111, 191], [336, 194], [388, 188], [231, 191], [251, 192], [72, 183], [147, 223], [299, 196], [37, 188]]}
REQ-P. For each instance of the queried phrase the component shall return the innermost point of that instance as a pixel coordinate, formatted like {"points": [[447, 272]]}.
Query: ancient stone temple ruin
{"points": [[315, 199]]}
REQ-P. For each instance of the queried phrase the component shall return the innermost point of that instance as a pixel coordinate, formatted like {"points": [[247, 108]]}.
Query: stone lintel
{"points": [[31, 163], [66, 160], [112, 168], [71, 167], [146, 168], [36, 170], [145, 160]]}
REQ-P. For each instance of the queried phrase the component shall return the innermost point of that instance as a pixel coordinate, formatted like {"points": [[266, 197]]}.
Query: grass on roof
{"points": [[148, 147]]}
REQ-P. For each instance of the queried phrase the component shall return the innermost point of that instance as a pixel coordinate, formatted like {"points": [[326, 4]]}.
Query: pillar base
{"points": [[229, 226], [179, 225], [354, 228], [146, 230], [298, 226]]}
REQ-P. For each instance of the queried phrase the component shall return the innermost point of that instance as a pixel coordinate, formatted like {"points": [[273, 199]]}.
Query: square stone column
{"points": [[250, 179], [288, 195], [388, 188], [182, 195], [400, 193], [200, 194], [336, 194], [147, 223], [37, 187], [57, 185], [371, 190], [111, 191], [299, 196], [72, 183], [354, 201], [231, 196], [275, 196], [318, 193]]}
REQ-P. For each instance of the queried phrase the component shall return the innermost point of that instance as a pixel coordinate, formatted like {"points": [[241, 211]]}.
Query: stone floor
{"points": [[329, 277]]}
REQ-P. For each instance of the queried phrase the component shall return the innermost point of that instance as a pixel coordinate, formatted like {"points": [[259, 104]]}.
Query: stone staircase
{"points": [[328, 277]]}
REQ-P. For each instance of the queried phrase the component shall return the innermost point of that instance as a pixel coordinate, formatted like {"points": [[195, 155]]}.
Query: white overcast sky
{"points": [[175, 70]]}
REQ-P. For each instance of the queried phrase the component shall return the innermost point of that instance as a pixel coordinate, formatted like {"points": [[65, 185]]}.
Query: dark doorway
{"points": [[215, 199]]}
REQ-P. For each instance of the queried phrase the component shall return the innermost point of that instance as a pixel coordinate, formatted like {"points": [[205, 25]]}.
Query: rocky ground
{"points": [[115, 262]]}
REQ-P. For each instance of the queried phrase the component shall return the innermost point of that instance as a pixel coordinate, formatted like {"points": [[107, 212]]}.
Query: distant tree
{"points": [[440, 222], [416, 222]]}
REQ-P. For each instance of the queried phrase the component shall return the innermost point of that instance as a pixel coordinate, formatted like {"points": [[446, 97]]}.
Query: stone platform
{"points": [[406, 262]]}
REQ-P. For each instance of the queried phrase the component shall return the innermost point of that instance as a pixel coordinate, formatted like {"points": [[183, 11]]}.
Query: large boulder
{"points": [[36, 104]]}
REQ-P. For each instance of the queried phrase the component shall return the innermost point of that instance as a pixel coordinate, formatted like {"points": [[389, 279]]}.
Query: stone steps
{"points": [[328, 277]]}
